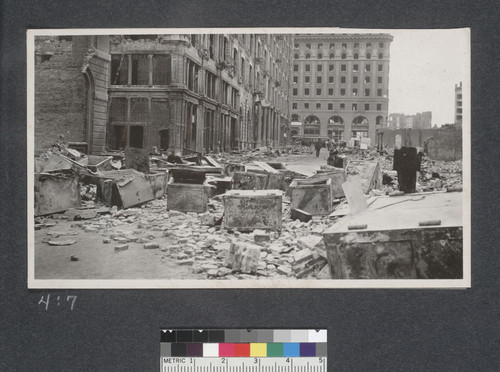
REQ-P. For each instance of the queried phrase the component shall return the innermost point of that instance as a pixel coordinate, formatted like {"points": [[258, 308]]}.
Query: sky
{"points": [[424, 67]]}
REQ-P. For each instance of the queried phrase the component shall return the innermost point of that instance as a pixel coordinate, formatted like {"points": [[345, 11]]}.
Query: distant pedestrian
{"points": [[317, 146]]}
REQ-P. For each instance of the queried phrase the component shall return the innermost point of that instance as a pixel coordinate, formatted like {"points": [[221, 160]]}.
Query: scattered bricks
{"points": [[74, 258], [299, 214], [223, 271], [106, 240], [120, 239], [151, 246], [197, 269], [91, 229], [243, 257], [305, 272], [262, 238], [303, 256], [61, 242], [212, 273], [186, 262], [209, 266], [208, 220], [309, 242], [284, 270], [121, 247]]}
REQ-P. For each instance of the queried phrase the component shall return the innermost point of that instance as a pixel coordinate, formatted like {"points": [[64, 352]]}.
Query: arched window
{"points": [[296, 56], [312, 119], [360, 120], [356, 56], [295, 117], [344, 56], [335, 119], [332, 56], [308, 56], [379, 120], [368, 56], [320, 56]]}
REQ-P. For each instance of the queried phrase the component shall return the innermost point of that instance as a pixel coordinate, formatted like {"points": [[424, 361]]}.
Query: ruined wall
{"points": [[446, 144], [60, 100]]}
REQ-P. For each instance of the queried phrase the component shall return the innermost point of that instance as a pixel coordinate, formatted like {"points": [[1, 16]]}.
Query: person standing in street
{"points": [[317, 146]]}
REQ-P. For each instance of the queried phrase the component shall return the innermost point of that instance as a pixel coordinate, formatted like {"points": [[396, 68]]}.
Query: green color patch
{"points": [[275, 349]]}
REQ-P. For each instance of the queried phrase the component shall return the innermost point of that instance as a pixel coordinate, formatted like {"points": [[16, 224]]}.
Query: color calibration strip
{"points": [[255, 343]]}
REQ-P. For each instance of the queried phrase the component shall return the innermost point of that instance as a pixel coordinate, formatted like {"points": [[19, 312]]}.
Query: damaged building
{"points": [[188, 93]]}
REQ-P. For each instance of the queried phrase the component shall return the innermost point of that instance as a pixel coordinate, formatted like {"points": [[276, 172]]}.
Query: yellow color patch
{"points": [[258, 350]]}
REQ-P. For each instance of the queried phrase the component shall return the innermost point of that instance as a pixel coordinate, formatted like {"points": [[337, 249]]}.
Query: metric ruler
{"points": [[243, 350]]}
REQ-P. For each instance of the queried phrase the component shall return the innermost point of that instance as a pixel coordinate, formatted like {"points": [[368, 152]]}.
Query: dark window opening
{"points": [[119, 69], [136, 136], [306, 105], [330, 92], [141, 37], [320, 56], [161, 70], [140, 69], [308, 67], [379, 107], [164, 139], [367, 106], [318, 92], [330, 79], [119, 136], [318, 105]]}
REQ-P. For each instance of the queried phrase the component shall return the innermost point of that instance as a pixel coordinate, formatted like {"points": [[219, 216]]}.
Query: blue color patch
{"points": [[291, 349]]}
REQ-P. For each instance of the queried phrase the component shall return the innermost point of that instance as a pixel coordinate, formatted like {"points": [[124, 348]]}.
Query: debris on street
{"points": [[239, 215]]}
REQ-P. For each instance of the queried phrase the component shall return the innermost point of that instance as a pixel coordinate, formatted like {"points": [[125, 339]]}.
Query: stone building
{"points": [[189, 93], [458, 104], [340, 84], [71, 91]]}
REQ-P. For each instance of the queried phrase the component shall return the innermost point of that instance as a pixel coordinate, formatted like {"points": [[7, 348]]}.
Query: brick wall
{"points": [[60, 101]]}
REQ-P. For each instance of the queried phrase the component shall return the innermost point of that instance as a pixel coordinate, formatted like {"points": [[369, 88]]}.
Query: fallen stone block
{"points": [[243, 257], [261, 238], [186, 262], [61, 242], [74, 258], [313, 196], [284, 270], [303, 256], [249, 210], [151, 246], [121, 247]]}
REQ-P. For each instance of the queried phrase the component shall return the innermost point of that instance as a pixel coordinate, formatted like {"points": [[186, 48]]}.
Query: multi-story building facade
{"points": [[340, 84], [199, 92], [206, 92], [458, 104]]}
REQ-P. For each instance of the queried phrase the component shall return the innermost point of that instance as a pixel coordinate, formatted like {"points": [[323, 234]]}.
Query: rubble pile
{"points": [[198, 241], [177, 210]]}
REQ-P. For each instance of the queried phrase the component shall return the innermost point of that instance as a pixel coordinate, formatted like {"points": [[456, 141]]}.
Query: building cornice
{"points": [[343, 37]]}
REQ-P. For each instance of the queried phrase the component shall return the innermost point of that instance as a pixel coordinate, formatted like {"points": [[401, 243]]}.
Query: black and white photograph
{"points": [[249, 158]]}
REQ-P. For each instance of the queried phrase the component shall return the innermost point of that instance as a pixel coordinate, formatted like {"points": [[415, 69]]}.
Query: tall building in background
{"points": [[189, 93], [340, 84], [458, 104]]}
